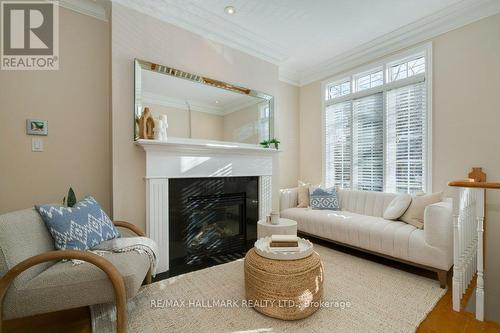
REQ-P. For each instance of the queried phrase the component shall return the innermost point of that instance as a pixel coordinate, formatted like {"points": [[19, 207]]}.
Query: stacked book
{"points": [[284, 243]]}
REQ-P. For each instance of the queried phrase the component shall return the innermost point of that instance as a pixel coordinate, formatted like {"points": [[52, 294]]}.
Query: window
{"points": [[406, 68], [263, 122], [366, 81], [376, 135], [406, 134], [367, 143], [338, 89], [338, 144]]}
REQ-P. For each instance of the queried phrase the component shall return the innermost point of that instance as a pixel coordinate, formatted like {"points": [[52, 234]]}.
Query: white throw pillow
{"points": [[303, 194], [397, 207], [414, 215]]}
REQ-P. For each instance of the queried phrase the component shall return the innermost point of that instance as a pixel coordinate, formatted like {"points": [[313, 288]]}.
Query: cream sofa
{"points": [[360, 224]]}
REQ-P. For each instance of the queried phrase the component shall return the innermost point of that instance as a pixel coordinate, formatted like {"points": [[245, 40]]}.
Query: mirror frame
{"points": [[177, 73]]}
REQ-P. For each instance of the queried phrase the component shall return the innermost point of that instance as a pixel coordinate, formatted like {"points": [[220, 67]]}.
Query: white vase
{"points": [[275, 218]]}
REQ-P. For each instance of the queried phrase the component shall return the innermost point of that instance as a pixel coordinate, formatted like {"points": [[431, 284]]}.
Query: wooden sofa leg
{"points": [[443, 278]]}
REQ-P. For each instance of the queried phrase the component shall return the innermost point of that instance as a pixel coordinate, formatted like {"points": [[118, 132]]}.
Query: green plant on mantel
{"points": [[265, 143], [275, 142], [71, 198]]}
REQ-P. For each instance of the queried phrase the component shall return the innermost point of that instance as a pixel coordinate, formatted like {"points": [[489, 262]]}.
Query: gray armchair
{"points": [[34, 280]]}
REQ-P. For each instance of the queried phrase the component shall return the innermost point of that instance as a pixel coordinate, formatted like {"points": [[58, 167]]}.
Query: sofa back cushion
{"points": [[414, 215], [365, 202], [22, 235]]}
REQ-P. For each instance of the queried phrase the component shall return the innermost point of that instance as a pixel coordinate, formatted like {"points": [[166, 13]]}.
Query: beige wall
{"points": [[156, 41], [466, 115], [287, 121], [75, 101], [310, 165]]}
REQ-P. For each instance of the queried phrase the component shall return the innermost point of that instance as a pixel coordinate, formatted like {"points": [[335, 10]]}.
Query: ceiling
{"points": [[309, 32], [312, 39]]}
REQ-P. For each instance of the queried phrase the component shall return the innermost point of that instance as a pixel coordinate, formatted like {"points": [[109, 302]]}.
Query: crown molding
{"points": [[289, 75], [191, 17], [450, 18], [96, 9]]}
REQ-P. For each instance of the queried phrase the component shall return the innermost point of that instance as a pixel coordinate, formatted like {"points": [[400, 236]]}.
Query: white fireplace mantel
{"points": [[181, 158], [202, 146]]}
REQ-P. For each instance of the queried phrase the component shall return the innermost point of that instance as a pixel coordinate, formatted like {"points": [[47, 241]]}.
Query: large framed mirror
{"points": [[199, 107]]}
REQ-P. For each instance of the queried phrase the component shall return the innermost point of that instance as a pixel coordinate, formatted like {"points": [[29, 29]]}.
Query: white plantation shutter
{"points": [[406, 139], [338, 144], [368, 143], [376, 135]]}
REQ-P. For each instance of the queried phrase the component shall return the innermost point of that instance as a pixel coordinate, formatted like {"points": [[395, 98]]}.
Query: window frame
{"points": [[384, 63]]}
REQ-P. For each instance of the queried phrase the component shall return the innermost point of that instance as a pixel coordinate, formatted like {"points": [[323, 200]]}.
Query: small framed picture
{"points": [[37, 127]]}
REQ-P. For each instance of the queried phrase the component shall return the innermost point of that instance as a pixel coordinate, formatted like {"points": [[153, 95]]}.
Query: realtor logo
{"points": [[30, 35]]}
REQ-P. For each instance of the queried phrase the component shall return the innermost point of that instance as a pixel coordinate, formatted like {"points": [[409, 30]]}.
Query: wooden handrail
{"points": [[467, 183], [477, 179]]}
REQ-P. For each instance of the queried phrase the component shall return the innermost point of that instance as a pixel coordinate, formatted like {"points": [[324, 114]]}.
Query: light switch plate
{"points": [[36, 144]]}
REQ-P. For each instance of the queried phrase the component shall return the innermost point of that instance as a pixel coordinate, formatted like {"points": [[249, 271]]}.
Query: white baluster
{"points": [[457, 282], [468, 217], [480, 259]]}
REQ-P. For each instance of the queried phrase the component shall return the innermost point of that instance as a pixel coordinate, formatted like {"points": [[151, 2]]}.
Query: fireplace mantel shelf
{"points": [[175, 144]]}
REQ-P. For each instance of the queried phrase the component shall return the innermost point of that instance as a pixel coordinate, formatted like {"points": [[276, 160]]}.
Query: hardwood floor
{"points": [[68, 321], [441, 319]]}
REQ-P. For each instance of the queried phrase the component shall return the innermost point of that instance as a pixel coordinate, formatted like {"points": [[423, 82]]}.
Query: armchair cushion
{"points": [[80, 227], [64, 286]]}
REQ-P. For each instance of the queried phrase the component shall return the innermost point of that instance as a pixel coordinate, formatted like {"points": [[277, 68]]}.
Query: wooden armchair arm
{"points": [[110, 270], [132, 227]]}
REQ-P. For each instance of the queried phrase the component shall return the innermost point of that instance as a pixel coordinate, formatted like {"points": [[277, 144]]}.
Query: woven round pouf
{"points": [[284, 289]]}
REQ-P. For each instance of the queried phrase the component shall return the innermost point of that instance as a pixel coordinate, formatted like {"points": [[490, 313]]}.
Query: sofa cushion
{"points": [[64, 285], [321, 198], [397, 207], [414, 215], [367, 232], [80, 227]]}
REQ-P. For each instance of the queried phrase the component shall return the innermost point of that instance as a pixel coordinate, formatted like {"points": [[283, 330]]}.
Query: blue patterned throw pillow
{"points": [[80, 227], [324, 198]]}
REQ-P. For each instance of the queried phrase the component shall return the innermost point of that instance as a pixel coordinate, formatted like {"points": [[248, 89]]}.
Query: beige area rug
{"points": [[362, 296]]}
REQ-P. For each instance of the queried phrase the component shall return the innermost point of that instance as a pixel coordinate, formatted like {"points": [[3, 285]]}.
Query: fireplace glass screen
{"points": [[211, 221]]}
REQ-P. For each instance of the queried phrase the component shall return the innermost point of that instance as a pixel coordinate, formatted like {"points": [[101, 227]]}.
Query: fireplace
{"points": [[178, 169], [212, 220]]}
